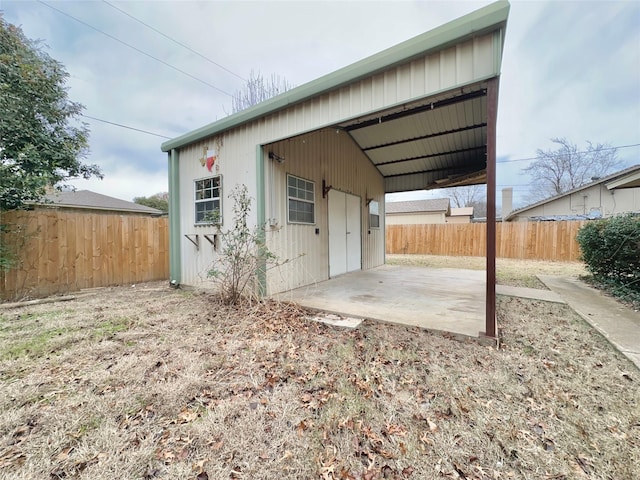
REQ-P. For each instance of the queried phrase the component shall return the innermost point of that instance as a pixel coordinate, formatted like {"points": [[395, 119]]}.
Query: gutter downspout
{"points": [[261, 270], [175, 263]]}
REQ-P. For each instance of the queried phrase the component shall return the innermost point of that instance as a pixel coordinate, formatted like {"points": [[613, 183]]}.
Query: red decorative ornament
{"points": [[211, 159], [210, 162]]}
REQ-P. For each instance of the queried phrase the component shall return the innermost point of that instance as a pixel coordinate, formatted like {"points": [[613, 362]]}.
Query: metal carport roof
{"points": [[438, 142]]}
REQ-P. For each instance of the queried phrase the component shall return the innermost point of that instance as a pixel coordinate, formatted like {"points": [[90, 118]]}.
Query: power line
{"points": [[577, 153], [125, 126], [135, 48], [174, 41]]}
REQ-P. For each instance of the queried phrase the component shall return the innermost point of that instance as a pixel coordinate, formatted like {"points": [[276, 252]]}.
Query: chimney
{"points": [[507, 201]]}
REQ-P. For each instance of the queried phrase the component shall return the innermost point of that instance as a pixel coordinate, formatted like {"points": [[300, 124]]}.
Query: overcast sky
{"points": [[570, 69]]}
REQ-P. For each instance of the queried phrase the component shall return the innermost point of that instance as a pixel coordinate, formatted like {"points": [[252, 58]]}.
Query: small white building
{"points": [[318, 159], [460, 215], [418, 212]]}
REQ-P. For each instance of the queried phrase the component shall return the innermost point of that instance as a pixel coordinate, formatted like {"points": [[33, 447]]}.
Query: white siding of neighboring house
{"points": [[592, 199], [415, 218], [457, 219]]}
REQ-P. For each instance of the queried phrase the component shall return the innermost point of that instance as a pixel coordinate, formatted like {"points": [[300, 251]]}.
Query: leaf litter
{"points": [[193, 389]]}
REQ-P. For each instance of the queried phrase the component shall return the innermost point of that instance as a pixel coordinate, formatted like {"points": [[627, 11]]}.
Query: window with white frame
{"points": [[208, 200], [301, 205], [374, 214]]}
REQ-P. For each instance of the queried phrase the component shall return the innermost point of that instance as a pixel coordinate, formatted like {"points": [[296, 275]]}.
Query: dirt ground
{"points": [[154, 383]]}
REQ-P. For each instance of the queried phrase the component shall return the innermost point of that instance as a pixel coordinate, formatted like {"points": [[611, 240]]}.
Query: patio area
{"points": [[438, 299]]}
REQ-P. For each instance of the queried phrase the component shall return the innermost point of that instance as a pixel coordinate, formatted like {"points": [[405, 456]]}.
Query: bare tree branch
{"points": [[558, 171], [258, 89], [469, 196]]}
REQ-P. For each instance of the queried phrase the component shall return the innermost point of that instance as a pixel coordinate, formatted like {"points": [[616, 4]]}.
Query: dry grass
{"points": [[509, 271], [150, 383]]}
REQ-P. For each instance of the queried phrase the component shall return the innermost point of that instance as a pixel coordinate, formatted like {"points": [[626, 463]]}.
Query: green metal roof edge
{"points": [[481, 21]]}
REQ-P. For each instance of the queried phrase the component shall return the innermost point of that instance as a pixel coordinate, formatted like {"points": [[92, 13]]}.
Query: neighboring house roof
{"points": [[630, 179], [418, 206], [559, 218], [623, 179], [460, 211], [95, 201]]}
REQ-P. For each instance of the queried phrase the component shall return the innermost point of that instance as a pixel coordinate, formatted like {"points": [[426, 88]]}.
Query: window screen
{"points": [[301, 200]]}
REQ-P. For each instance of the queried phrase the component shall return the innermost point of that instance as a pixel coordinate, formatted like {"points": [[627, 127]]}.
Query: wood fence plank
{"points": [[65, 250], [82, 262], [71, 228], [555, 241], [117, 254], [63, 253]]}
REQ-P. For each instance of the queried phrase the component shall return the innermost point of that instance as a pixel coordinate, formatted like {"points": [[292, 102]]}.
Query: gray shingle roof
{"points": [[96, 201], [417, 206]]}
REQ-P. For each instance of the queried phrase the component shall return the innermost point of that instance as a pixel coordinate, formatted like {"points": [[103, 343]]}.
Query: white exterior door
{"points": [[345, 240], [354, 239]]}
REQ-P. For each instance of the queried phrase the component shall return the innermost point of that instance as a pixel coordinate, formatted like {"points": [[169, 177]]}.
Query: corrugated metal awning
{"points": [[437, 142]]}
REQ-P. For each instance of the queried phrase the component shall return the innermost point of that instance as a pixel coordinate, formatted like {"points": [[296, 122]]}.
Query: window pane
{"points": [[207, 199], [301, 200]]}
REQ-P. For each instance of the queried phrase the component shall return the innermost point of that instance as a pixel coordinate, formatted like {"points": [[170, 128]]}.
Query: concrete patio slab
{"points": [[438, 299]]}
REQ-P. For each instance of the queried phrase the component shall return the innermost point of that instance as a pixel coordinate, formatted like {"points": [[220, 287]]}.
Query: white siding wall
{"points": [[319, 155], [463, 64], [597, 197], [236, 164]]}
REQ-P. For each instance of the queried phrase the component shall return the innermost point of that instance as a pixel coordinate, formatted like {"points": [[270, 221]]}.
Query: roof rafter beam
{"points": [[424, 108], [425, 137], [466, 170], [424, 157], [459, 180]]}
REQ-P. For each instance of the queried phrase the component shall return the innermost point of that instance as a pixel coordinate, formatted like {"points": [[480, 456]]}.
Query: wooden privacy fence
{"points": [[58, 251], [554, 241]]}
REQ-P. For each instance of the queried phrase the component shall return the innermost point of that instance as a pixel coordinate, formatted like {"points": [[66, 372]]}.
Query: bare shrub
{"points": [[244, 255]]}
